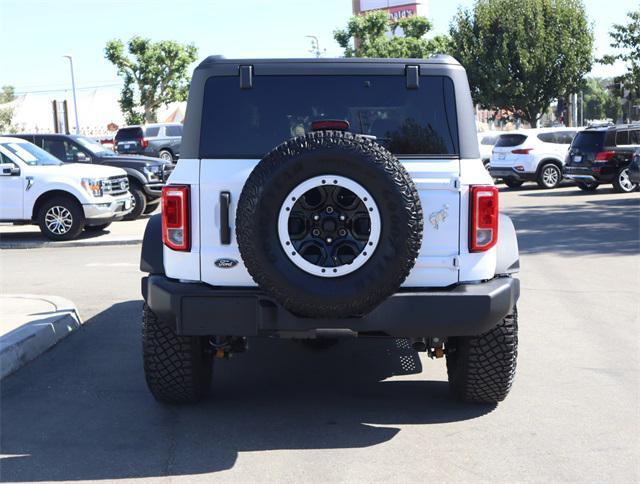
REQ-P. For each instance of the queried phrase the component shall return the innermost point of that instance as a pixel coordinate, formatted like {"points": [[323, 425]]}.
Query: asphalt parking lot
{"points": [[364, 410]]}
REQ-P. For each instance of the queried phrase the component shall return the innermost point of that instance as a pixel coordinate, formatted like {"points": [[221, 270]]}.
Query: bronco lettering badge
{"points": [[226, 263]]}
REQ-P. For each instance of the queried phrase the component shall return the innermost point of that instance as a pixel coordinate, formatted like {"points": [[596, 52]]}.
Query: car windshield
{"points": [[31, 154], [93, 146]]}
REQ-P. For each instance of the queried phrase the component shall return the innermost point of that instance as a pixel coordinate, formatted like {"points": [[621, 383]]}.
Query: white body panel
{"points": [[444, 193], [503, 156]]}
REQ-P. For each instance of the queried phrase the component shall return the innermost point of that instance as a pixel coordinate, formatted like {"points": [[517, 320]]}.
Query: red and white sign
{"points": [[397, 9]]}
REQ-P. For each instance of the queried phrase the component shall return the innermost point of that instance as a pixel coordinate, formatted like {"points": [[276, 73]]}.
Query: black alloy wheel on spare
{"points": [[329, 224]]}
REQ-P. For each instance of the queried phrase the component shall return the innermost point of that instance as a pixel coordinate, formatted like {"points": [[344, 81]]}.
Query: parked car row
{"points": [[67, 183], [590, 157]]}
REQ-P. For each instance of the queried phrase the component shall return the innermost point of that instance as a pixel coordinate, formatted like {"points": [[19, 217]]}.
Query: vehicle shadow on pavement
{"points": [[82, 410], [592, 228]]}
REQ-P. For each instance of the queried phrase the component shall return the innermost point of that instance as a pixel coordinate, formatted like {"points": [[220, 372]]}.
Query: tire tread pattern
{"points": [[482, 368], [176, 368]]}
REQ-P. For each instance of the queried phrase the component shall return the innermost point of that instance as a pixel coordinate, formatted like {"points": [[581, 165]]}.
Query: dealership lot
{"points": [[363, 411]]}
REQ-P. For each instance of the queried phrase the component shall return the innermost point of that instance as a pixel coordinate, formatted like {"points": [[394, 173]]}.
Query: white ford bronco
{"points": [[324, 199], [62, 198]]}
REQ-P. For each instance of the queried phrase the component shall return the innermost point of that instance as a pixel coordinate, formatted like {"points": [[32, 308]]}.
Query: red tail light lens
{"points": [[522, 151], [605, 155], [175, 217], [483, 233], [335, 124], [144, 142]]}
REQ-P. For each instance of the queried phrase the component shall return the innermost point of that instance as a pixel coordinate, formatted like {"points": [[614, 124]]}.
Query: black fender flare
{"points": [[508, 257], [151, 258]]}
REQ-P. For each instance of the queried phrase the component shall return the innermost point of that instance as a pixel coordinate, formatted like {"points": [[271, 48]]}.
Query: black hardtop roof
{"points": [[435, 60], [609, 127]]}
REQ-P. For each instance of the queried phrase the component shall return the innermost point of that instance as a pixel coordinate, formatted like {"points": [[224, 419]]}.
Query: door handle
{"points": [[225, 229]]}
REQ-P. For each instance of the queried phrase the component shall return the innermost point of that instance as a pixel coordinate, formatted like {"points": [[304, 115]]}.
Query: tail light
{"points": [[144, 142], [483, 233], [522, 151], [605, 155], [175, 217]]}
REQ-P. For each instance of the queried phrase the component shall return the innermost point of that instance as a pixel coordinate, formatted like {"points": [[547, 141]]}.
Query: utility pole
{"points": [[73, 88]]}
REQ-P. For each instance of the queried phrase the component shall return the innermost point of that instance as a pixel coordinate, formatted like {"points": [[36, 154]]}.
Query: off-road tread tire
{"points": [[177, 368], [77, 215], [247, 233], [482, 368]]}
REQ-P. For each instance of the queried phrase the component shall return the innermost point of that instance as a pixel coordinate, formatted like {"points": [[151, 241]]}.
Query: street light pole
{"points": [[73, 88], [315, 45]]}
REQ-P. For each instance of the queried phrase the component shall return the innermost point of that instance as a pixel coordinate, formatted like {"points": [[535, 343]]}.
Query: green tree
{"points": [[626, 39], [600, 102], [522, 57], [154, 73], [7, 94], [367, 36]]}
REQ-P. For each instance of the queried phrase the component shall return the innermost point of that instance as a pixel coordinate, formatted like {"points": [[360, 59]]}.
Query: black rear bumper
{"points": [[511, 173], [200, 309]]}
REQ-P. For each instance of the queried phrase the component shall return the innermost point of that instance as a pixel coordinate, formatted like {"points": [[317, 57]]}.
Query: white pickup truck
{"points": [[62, 198]]}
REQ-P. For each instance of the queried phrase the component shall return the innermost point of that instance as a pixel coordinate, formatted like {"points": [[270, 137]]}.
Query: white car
{"points": [[531, 155], [486, 141], [62, 198]]}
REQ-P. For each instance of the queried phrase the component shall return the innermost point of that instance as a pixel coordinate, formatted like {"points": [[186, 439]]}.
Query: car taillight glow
{"points": [[335, 124], [522, 151], [483, 233], [605, 155], [144, 142], [175, 217]]}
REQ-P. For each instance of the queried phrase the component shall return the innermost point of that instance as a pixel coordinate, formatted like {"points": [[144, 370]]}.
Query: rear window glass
{"points": [[173, 130], [622, 137], [489, 140], [510, 140], [634, 137], [589, 140], [557, 137], [129, 133], [152, 131], [248, 123]]}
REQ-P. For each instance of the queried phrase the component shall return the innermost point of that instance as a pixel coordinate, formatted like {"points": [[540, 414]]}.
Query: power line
{"points": [[85, 88]]}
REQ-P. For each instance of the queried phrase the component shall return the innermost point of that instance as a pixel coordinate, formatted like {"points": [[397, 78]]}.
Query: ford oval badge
{"points": [[226, 263]]}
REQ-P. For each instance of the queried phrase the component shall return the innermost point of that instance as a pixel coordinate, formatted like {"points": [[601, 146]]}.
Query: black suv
{"points": [[602, 155], [146, 175], [161, 140]]}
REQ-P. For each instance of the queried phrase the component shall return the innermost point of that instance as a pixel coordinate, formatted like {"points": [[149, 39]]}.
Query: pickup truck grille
{"points": [[116, 185], [167, 169]]}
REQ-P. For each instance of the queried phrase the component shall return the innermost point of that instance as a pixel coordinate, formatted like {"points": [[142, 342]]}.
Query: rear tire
{"points": [[549, 176], [61, 218], [622, 183], [165, 155], [151, 207], [482, 368], [177, 368], [139, 203], [513, 183], [587, 187]]}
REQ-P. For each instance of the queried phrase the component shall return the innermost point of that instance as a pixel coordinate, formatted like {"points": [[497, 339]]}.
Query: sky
{"points": [[37, 33]]}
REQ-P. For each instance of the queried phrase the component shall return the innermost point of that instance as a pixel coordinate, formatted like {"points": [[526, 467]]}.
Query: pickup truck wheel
{"points": [[96, 228], [61, 218], [329, 224], [622, 183], [511, 183], [587, 187], [139, 203], [550, 176], [482, 368], [177, 368], [151, 206], [165, 155]]}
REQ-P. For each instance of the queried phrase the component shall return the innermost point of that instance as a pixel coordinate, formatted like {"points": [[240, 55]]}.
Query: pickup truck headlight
{"points": [[92, 186], [153, 172]]}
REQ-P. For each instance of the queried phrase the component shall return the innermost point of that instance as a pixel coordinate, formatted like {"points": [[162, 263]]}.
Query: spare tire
{"points": [[329, 224]]}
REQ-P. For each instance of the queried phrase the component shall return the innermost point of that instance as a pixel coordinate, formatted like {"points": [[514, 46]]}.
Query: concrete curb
{"points": [[36, 336], [36, 244]]}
